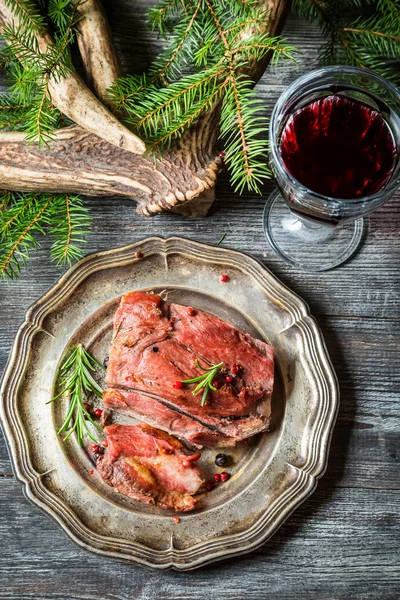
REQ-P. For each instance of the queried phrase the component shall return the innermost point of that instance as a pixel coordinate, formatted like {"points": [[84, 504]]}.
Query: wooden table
{"points": [[342, 543]]}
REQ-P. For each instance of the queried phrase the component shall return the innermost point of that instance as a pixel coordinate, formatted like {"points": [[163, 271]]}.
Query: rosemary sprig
{"points": [[77, 381], [205, 381]]}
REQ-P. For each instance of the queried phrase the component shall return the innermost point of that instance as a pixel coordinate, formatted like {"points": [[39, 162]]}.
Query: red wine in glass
{"points": [[334, 150], [339, 147]]}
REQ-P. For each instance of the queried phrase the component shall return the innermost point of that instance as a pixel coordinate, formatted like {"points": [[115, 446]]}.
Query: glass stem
{"points": [[306, 229]]}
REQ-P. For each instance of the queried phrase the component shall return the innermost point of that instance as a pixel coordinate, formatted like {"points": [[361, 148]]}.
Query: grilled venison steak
{"points": [[156, 345], [145, 463]]}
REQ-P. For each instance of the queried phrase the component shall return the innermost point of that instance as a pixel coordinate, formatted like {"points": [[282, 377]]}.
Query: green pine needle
{"points": [[77, 383], [363, 34], [29, 70], [28, 12], [25, 216], [209, 45]]}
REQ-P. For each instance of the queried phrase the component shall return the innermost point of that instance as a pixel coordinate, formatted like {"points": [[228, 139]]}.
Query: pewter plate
{"points": [[271, 474]]}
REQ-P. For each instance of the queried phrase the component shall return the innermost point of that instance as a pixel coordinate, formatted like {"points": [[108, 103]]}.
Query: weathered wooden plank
{"points": [[339, 544]]}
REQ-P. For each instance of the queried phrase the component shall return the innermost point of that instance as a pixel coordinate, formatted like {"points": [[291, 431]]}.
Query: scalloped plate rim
{"points": [[12, 425]]}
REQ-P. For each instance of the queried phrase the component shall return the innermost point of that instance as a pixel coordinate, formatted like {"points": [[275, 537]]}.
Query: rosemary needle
{"points": [[221, 239], [205, 380], [77, 381]]}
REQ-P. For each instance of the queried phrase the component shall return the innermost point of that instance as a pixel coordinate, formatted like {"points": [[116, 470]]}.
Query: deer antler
{"points": [[80, 160]]}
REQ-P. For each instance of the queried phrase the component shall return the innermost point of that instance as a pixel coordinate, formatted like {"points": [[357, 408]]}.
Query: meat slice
{"points": [[155, 346], [155, 413], [146, 464]]}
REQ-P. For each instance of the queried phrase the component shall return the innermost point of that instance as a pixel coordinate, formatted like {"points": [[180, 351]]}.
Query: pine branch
{"points": [[162, 16], [175, 100], [240, 140], [125, 90], [244, 131], [365, 34], [174, 130], [26, 215], [30, 70], [69, 230], [15, 247], [167, 65], [28, 13], [20, 206], [5, 198], [216, 40]]}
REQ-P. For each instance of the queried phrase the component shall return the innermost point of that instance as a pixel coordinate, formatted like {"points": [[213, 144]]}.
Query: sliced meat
{"points": [[150, 353], [215, 340], [157, 372], [141, 315], [146, 464], [155, 413]]}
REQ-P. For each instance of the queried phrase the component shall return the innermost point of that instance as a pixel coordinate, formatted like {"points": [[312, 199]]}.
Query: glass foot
{"points": [[308, 245]]}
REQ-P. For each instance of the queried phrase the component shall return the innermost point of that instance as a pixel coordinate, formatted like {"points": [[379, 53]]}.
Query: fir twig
{"points": [[364, 34], [30, 70], [216, 41], [15, 247], [25, 216]]}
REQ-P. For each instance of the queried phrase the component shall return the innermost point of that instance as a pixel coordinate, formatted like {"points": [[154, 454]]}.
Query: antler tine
{"points": [[73, 98], [97, 48]]}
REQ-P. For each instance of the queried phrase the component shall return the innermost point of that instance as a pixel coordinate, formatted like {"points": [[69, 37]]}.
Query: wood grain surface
{"points": [[344, 542]]}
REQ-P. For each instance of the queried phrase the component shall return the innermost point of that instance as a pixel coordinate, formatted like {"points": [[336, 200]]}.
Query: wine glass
{"points": [[311, 228]]}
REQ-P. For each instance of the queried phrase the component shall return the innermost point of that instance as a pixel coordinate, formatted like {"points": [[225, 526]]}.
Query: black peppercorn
{"points": [[98, 454], [221, 460], [155, 349], [105, 361]]}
